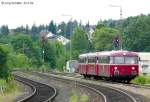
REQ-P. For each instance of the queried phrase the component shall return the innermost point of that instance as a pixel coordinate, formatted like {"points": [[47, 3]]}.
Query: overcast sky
{"points": [[43, 11]]}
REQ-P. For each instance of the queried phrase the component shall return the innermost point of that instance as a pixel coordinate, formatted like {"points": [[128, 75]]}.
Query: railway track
{"points": [[139, 92], [119, 83], [111, 94], [41, 92], [99, 97]]}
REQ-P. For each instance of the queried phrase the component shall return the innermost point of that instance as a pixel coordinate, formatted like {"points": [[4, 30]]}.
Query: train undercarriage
{"points": [[122, 79]]}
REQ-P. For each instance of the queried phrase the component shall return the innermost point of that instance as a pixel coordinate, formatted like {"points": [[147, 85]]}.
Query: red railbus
{"points": [[110, 65]]}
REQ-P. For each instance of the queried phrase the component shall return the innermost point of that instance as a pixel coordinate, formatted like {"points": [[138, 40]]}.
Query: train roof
{"points": [[117, 53], [109, 53], [88, 55]]}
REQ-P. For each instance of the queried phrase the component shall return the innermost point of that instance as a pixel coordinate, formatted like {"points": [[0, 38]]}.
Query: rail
{"points": [[35, 88]]}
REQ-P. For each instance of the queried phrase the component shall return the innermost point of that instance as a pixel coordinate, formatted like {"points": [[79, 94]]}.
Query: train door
{"points": [[97, 67], [104, 66], [82, 66], [91, 65]]}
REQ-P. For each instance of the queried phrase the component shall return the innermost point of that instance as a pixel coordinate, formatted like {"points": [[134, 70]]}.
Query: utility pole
{"points": [[42, 36], [120, 7]]}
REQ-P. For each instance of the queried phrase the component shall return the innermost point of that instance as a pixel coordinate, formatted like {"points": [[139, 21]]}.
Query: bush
{"points": [[22, 61], [147, 80], [7, 87], [84, 98], [74, 97], [60, 63], [44, 68], [4, 70], [139, 80]]}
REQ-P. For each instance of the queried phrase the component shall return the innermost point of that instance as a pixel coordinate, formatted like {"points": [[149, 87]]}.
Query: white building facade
{"points": [[144, 63], [71, 65], [59, 38]]}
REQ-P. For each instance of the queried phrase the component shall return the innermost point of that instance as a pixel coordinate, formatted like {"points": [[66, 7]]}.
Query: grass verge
{"points": [[9, 91], [77, 97], [142, 80]]}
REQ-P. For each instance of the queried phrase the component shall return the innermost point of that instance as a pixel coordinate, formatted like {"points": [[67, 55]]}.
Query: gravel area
{"points": [[64, 89], [141, 94], [24, 91]]}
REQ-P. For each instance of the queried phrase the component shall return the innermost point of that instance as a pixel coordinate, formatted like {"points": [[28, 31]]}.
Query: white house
{"points": [[63, 40], [71, 65], [144, 63], [51, 35], [59, 38]]}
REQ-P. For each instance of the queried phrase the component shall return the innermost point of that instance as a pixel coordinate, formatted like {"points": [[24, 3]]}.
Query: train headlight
{"points": [[133, 68], [115, 67]]}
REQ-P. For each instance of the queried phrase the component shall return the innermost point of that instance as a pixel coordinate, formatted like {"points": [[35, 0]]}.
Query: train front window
{"points": [[124, 60], [118, 60], [131, 60]]}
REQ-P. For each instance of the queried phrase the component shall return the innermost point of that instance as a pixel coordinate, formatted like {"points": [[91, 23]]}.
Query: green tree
{"points": [[22, 61], [59, 49], [50, 54], [66, 29], [79, 42], [5, 39], [100, 25], [34, 32], [36, 56], [103, 38], [145, 39], [52, 27], [60, 63], [137, 33], [13, 60], [62, 29], [4, 30], [22, 43], [60, 56], [4, 70], [27, 30], [20, 29], [70, 27]]}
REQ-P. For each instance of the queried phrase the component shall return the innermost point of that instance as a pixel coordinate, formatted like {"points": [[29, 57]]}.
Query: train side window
{"points": [[103, 59], [111, 60], [91, 60], [82, 60]]}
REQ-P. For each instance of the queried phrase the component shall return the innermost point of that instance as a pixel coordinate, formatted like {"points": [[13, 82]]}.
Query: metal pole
{"points": [[43, 54], [70, 40], [120, 7], [42, 38], [120, 12], [121, 24]]}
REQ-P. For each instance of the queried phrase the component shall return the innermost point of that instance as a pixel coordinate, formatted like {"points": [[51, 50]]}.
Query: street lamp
{"points": [[120, 7]]}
